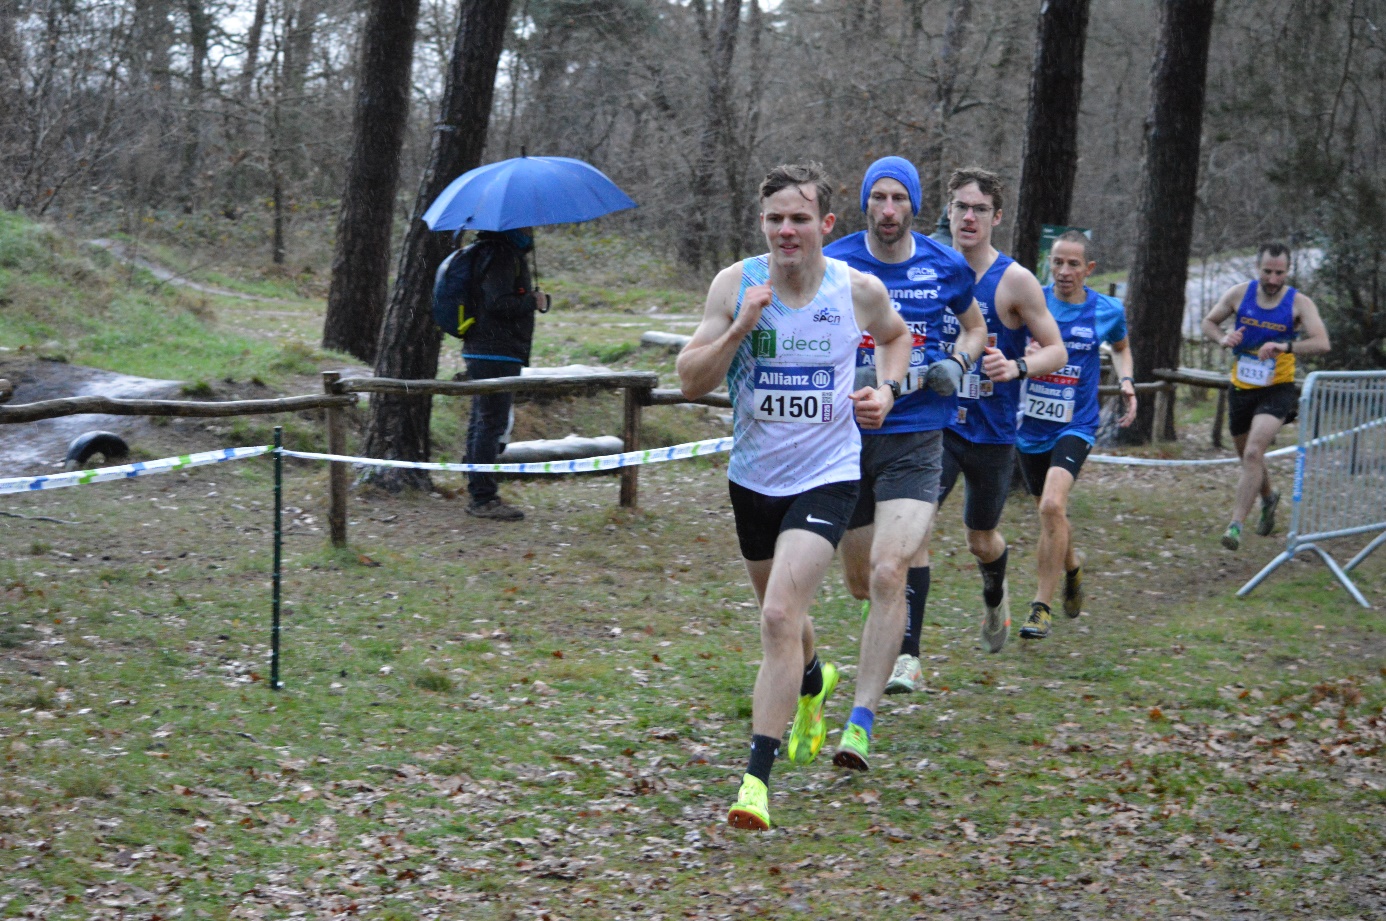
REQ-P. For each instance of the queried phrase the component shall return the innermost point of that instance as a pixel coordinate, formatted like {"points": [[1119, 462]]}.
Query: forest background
{"points": [[228, 123]]}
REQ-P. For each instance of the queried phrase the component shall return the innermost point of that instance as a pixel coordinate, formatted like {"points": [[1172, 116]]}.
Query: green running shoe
{"points": [[852, 749], [996, 625], [1073, 590], [808, 732], [1267, 523], [1232, 537], [752, 808], [1037, 625]]}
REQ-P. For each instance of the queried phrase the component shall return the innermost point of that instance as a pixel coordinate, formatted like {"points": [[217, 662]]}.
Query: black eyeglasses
{"points": [[982, 211]]}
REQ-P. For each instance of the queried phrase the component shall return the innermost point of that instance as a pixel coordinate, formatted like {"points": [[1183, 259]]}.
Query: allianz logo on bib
{"points": [[921, 273], [766, 344], [789, 378]]}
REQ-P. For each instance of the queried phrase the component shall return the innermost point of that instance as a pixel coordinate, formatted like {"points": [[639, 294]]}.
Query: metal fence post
{"points": [[278, 555], [336, 471]]}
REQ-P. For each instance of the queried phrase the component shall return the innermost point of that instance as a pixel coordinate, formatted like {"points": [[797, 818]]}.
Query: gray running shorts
{"points": [[901, 465]]}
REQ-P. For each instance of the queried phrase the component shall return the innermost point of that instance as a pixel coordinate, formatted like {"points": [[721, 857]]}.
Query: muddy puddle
{"points": [[30, 448]]}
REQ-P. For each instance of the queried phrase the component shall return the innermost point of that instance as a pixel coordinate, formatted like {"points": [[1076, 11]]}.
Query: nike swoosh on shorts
{"points": [[811, 520]]}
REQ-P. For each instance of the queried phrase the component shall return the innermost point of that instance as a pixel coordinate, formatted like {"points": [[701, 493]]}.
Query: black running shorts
{"points": [[901, 465], [1068, 454], [986, 470], [1278, 400], [760, 519]]}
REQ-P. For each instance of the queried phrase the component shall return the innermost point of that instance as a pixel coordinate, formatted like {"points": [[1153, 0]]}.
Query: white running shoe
{"points": [[906, 676], [997, 625]]}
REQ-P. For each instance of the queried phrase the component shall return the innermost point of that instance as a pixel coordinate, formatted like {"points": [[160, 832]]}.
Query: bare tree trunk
{"points": [[409, 342], [1165, 216], [739, 140], [701, 242], [935, 163], [252, 50], [199, 36], [361, 263], [1049, 162]]}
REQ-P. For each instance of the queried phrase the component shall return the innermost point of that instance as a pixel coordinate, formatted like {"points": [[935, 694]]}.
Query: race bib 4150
{"points": [[794, 394]]}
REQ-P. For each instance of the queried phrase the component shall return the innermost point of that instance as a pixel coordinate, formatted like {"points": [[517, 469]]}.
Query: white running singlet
{"points": [[790, 383]]}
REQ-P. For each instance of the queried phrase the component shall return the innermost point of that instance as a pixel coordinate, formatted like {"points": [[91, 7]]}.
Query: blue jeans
{"points": [[489, 420]]}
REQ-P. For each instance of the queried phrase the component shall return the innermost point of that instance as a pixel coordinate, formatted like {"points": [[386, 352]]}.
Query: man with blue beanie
{"points": [[930, 286]]}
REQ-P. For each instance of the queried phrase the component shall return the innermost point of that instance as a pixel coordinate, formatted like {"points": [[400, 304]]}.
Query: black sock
{"points": [[993, 575], [916, 597], [813, 678], [763, 750]]}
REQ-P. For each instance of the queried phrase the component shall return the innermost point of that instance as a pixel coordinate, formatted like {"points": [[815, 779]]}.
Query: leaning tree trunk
{"points": [[700, 243], [361, 263], [409, 342], [1049, 162], [1165, 215]]}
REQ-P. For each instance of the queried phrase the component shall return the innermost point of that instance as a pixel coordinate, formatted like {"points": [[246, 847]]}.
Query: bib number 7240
{"points": [[1048, 408]]}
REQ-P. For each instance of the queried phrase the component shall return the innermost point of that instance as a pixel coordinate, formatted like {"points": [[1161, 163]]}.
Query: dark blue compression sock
{"points": [[813, 678], [993, 575], [863, 718], [916, 597], [763, 750]]}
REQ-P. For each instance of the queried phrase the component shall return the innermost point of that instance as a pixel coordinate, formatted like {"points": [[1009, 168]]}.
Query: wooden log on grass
{"points": [[111, 406]]}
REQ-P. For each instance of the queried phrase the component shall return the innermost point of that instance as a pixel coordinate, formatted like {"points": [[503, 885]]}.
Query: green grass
{"points": [[489, 720]]}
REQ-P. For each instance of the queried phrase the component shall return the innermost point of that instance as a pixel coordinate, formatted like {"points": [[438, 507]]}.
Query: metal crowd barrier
{"points": [[1340, 470]]}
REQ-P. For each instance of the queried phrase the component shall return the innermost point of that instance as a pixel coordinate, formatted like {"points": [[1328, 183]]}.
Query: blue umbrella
{"points": [[525, 192]]}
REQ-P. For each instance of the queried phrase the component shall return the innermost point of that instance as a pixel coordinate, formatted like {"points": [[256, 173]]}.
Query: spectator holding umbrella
{"points": [[505, 201]]}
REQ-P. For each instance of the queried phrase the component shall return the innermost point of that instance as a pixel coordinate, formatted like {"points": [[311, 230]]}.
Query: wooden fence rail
{"points": [[111, 406], [339, 393]]}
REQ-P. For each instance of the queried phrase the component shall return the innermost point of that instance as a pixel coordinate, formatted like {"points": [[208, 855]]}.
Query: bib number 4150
{"points": [[781, 407]]}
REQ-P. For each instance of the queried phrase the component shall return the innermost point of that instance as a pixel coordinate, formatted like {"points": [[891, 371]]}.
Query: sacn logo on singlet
{"points": [[764, 344]]}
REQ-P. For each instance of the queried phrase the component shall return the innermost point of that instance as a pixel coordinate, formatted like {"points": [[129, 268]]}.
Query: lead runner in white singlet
{"points": [[782, 331]]}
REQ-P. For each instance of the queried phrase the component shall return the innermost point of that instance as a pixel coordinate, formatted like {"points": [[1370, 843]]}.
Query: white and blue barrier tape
{"points": [[126, 471], [580, 465]]}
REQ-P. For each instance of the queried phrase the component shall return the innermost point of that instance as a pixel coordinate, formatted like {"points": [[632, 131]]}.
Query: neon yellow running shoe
{"points": [[752, 808], [1036, 626], [808, 732], [852, 749]]}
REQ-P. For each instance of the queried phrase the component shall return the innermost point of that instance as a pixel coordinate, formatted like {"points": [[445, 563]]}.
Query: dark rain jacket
{"points": [[504, 327]]}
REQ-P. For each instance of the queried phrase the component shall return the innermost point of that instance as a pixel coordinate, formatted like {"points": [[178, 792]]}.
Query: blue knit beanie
{"points": [[897, 168]]}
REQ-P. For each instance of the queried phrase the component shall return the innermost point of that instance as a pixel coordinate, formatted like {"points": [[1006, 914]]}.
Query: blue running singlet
{"points": [[1065, 402], [929, 290], [986, 410]]}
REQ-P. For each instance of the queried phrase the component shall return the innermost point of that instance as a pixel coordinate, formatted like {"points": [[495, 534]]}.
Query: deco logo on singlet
{"points": [[765, 344]]}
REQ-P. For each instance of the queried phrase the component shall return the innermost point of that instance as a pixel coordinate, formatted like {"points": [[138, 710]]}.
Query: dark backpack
{"points": [[457, 289]]}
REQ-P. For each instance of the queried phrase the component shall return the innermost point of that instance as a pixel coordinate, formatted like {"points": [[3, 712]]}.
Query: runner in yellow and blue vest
{"points": [[1059, 416], [782, 330], [1272, 324]]}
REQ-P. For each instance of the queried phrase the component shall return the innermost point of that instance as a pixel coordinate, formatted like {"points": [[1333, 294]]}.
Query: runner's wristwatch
{"points": [[1022, 370], [894, 387]]}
